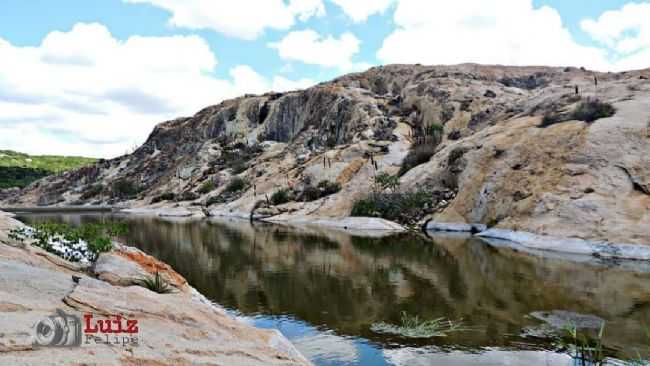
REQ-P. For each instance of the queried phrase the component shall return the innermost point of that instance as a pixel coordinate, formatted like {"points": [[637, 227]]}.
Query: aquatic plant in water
{"points": [[414, 327], [585, 350]]}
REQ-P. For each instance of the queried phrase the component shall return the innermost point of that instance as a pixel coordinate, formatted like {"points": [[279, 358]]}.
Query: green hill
{"points": [[19, 170]]}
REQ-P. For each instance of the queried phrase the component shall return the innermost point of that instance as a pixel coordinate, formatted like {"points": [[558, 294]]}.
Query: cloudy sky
{"points": [[80, 77]]}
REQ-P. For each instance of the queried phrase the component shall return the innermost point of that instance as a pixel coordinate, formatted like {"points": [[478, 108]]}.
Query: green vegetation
{"points": [[426, 139], [327, 188], [413, 327], [92, 191], [584, 349], [75, 244], [156, 284], [433, 129], [237, 157], [207, 187], [418, 154], [20, 170], [187, 196], [587, 348], [307, 193], [588, 111], [386, 181], [124, 188], [592, 110], [324, 188], [233, 190], [403, 207], [236, 184], [280, 197], [167, 196]]}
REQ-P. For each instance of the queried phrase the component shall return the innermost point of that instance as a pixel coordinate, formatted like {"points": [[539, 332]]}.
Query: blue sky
{"points": [[94, 77]]}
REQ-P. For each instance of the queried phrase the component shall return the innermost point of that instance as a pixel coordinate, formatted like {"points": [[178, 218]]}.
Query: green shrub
{"points": [[156, 284], [236, 184], [311, 193], [215, 200], [433, 129], [417, 155], [588, 111], [280, 197], [328, 188], [324, 188], [187, 196], [124, 188], [552, 118], [385, 181], [405, 208], [75, 244], [238, 166], [207, 187], [92, 191], [592, 110], [167, 196]]}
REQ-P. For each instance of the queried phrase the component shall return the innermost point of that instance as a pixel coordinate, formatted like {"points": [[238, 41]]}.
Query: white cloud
{"points": [[246, 19], [511, 32], [83, 92], [282, 83], [360, 10], [626, 32], [309, 47]]}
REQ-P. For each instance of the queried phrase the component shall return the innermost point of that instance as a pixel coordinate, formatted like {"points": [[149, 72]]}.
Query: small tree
{"points": [[385, 181]]}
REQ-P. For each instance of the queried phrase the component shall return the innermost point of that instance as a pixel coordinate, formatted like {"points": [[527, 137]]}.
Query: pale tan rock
{"points": [[572, 179], [181, 328]]}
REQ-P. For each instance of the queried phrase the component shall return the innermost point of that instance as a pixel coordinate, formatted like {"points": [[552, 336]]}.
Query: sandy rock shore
{"points": [[181, 328]]}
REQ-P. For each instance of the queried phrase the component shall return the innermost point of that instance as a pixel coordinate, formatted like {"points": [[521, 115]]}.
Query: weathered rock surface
{"points": [[182, 328], [571, 179], [570, 245]]}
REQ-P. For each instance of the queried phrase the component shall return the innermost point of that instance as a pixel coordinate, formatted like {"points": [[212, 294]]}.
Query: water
{"points": [[324, 289]]}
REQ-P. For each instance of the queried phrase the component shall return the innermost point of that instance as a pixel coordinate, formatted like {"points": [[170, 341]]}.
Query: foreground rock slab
{"points": [[181, 328]]}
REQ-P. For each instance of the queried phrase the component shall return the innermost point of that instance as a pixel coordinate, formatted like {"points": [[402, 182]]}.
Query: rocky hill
{"points": [[560, 151]]}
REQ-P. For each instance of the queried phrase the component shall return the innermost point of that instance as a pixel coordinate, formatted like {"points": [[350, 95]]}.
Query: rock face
{"points": [[481, 125], [181, 328]]}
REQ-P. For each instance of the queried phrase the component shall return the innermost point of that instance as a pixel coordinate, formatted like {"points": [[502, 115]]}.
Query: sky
{"points": [[93, 77]]}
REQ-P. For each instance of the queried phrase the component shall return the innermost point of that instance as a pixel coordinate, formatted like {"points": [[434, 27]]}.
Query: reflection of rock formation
{"points": [[422, 357], [347, 283], [327, 346]]}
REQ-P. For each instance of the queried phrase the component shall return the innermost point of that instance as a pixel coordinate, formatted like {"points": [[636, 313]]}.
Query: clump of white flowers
{"points": [[76, 244]]}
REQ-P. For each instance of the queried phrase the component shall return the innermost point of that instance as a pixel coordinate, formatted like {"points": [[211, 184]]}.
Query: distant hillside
{"points": [[534, 149], [19, 170]]}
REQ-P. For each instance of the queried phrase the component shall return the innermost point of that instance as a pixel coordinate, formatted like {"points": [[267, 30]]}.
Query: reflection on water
{"points": [[324, 290]]}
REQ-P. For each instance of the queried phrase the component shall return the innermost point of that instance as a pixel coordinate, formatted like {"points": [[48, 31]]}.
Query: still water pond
{"points": [[325, 289]]}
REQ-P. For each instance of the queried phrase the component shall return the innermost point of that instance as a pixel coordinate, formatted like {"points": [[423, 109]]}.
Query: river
{"points": [[325, 289]]}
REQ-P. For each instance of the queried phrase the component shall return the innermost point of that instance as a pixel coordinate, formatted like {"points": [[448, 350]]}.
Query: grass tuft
{"points": [[156, 284], [414, 327]]}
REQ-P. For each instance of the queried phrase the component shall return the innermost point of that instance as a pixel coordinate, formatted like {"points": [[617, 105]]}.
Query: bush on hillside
{"points": [[588, 111], [236, 184], [207, 187], [124, 188], [281, 197], [405, 208]]}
